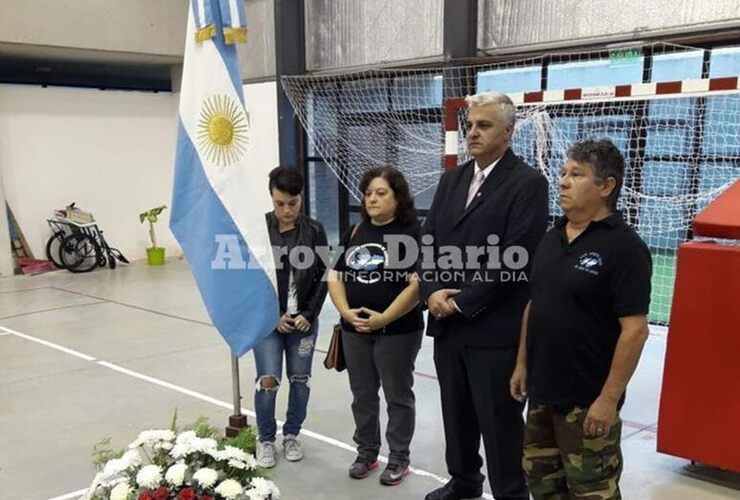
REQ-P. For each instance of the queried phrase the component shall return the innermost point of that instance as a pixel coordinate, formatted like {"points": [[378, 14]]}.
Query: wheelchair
{"points": [[80, 247]]}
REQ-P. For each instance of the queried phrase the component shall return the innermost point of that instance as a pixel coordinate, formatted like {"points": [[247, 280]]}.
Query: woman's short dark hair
{"points": [[286, 179], [605, 160], [405, 212]]}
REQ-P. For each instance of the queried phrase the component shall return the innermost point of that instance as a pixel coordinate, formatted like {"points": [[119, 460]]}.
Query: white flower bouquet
{"points": [[196, 464]]}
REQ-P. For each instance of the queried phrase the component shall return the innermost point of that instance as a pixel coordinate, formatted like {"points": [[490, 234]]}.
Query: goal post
{"points": [[680, 137], [676, 138]]}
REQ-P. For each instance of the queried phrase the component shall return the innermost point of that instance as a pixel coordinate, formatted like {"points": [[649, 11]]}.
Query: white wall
{"points": [[110, 151], [260, 99]]}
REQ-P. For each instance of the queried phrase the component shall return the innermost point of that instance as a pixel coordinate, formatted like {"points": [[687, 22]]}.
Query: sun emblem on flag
{"points": [[222, 130]]}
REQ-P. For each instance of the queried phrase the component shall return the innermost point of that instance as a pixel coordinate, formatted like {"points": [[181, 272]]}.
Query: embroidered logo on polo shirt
{"points": [[589, 262]]}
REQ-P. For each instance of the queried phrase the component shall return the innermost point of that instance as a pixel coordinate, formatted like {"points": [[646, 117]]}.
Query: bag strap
{"points": [[354, 231]]}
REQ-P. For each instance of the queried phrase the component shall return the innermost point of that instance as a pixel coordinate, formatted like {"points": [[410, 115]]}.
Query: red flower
{"points": [[145, 495], [161, 493], [186, 494]]}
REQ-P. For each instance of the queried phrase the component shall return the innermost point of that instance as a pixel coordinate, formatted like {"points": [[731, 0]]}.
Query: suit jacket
{"points": [[512, 203]]}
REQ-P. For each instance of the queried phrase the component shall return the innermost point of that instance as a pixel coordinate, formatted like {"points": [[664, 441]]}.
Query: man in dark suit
{"points": [[475, 311]]}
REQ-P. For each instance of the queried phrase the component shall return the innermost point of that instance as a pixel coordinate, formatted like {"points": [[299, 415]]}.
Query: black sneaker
{"points": [[393, 474], [361, 468]]}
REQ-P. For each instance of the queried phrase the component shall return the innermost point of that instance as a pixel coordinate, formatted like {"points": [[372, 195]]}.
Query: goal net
{"points": [[680, 137]]}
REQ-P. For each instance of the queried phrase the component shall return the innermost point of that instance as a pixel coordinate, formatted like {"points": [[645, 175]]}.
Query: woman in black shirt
{"points": [[375, 289]]}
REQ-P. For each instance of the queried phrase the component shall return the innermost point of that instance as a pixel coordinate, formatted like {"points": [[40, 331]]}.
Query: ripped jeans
{"points": [[268, 356]]}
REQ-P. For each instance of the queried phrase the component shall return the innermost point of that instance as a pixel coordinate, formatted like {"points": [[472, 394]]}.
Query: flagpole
{"points": [[241, 300], [237, 421]]}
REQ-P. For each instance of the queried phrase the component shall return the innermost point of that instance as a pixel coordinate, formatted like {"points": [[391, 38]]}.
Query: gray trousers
{"points": [[375, 361]]}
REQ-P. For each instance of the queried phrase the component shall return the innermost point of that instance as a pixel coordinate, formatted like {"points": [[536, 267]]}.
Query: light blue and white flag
{"points": [[219, 200]]}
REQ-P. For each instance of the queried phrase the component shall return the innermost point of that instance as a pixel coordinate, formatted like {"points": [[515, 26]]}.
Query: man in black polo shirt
{"points": [[582, 333]]}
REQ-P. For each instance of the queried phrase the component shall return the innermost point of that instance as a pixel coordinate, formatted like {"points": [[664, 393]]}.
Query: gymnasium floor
{"points": [[110, 353]]}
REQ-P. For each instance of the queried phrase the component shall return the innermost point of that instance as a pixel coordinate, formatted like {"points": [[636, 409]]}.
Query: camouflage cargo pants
{"points": [[561, 463]]}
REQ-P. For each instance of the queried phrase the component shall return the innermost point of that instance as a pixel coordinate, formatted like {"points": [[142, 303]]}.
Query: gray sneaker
{"points": [[266, 454], [292, 448]]}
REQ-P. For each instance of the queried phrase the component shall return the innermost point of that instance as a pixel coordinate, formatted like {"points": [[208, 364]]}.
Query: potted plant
{"points": [[155, 254]]}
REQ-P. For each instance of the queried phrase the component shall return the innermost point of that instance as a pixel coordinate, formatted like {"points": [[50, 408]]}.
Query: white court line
{"points": [[211, 400], [51, 344], [228, 406], [74, 494], [168, 385]]}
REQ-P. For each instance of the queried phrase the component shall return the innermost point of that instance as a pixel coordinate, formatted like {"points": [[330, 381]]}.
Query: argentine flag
{"points": [[219, 201]]}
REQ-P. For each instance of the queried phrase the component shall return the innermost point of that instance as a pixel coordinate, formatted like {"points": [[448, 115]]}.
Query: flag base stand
{"points": [[236, 424], [238, 420]]}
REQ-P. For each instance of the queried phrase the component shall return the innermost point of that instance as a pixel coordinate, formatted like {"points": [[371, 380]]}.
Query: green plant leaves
{"points": [[152, 215]]}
